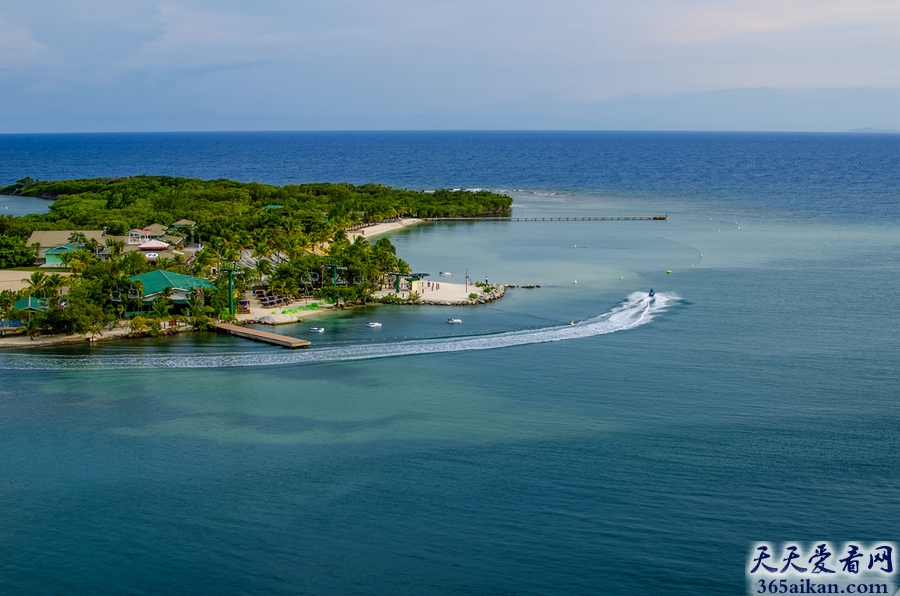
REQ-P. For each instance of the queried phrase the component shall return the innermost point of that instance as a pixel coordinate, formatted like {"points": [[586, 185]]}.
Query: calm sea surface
{"points": [[640, 451]]}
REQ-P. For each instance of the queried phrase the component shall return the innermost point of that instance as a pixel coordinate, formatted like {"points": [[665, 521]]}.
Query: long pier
{"points": [[587, 218], [263, 336]]}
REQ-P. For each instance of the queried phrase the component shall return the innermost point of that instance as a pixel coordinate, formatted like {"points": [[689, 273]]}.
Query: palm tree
{"points": [[32, 327], [96, 329], [36, 282], [80, 259], [263, 269], [163, 263], [65, 258], [261, 250], [116, 247], [160, 308], [138, 325], [93, 246], [202, 262], [54, 283]]}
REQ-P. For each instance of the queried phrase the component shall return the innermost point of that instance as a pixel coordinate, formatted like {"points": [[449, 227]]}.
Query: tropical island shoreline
{"points": [[154, 255]]}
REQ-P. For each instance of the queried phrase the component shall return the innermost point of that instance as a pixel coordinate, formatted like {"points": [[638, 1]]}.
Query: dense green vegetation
{"points": [[294, 233], [98, 293], [244, 213], [14, 253]]}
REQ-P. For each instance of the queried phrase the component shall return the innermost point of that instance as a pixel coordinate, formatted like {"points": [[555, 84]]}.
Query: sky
{"points": [[136, 65]]}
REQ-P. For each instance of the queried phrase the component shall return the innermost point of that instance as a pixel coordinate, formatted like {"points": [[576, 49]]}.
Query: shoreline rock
{"points": [[274, 319], [496, 293]]}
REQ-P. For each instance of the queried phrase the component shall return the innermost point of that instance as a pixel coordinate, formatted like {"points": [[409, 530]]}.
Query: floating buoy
{"points": [[668, 272], [692, 265], [623, 278], [576, 280]]}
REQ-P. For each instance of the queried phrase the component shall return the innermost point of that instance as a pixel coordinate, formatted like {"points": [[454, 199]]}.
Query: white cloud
{"points": [[18, 49], [700, 23], [407, 57]]}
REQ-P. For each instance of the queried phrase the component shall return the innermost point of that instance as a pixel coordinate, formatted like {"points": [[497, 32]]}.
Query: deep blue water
{"points": [[847, 175], [759, 405]]}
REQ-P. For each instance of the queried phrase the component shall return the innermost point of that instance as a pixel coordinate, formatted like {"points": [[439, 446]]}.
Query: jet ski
{"points": [[652, 293]]}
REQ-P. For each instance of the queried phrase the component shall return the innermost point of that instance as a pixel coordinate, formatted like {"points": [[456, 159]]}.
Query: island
{"points": [[157, 255]]}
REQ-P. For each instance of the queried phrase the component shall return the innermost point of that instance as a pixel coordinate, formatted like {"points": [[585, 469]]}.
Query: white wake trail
{"points": [[638, 309]]}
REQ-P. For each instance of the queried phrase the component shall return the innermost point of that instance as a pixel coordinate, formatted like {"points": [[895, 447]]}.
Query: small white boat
{"points": [[444, 273], [373, 324], [454, 321], [317, 329]]}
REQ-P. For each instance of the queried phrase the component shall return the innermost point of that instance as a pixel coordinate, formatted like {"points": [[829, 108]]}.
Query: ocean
{"points": [[643, 449]]}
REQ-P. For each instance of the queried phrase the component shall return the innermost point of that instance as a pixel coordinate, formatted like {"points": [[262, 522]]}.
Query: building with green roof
{"points": [[31, 304], [53, 255], [155, 282]]}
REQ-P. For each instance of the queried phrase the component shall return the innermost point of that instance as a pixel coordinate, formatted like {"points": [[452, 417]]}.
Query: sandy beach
{"points": [[382, 228], [436, 292]]}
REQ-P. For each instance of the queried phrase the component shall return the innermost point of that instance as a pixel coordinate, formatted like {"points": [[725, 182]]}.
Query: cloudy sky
{"points": [[122, 65]]}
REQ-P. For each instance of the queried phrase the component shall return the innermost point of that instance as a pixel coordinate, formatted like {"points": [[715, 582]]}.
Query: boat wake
{"points": [[638, 309]]}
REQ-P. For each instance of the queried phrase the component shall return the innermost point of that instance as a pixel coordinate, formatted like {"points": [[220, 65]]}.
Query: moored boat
{"points": [[454, 321], [317, 329], [373, 324]]}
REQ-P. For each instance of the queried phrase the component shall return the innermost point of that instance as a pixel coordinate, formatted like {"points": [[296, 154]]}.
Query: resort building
{"points": [[156, 241], [58, 242], [183, 225], [52, 256], [50, 238], [156, 230], [154, 283], [31, 304], [137, 236]]}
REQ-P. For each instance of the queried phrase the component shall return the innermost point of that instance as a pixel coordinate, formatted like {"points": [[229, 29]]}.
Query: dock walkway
{"points": [[588, 218], [263, 336]]}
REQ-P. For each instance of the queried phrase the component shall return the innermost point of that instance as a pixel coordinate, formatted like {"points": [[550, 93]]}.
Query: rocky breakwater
{"points": [[275, 319], [477, 296]]}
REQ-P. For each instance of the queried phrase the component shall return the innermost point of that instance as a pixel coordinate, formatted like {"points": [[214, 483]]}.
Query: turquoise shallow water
{"points": [[757, 401]]}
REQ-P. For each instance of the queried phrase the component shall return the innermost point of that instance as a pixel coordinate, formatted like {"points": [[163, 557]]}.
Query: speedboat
{"points": [[444, 273], [373, 324], [454, 321], [652, 293], [317, 329]]}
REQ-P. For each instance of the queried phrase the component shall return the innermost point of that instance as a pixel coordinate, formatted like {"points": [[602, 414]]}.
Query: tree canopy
{"points": [[235, 211]]}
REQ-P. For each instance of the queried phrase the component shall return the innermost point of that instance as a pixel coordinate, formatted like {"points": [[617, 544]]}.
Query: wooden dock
{"points": [[589, 218], [263, 336]]}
